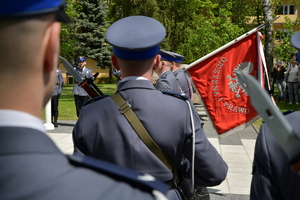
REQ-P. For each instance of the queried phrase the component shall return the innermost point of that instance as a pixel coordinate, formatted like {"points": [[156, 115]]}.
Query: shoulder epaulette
{"points": [[140, 180], [176, 94], [94, 100], [163, 76]]}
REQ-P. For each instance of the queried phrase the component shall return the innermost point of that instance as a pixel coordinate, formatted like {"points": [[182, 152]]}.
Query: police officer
{"points": [[31, 165], [117, 74], [181, 76], [80, 95], [166, 80], [273, 177], [55, 96], [103, 132]]}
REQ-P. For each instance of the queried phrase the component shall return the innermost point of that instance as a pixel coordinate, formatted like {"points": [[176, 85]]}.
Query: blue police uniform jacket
{"points": [[59, 83], [272, 174], [32, 167], [184, 82], [167, 82], [85, 73], [103, 132]]}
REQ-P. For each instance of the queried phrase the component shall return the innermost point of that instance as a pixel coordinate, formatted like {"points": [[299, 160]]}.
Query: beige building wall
{"points": [[281, 19], [90, 64]]}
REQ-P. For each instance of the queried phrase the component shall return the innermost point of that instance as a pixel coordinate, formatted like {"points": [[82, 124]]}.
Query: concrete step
{"points": [[201, 111]]}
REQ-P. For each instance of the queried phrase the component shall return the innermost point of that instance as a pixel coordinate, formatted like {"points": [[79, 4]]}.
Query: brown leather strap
{"points": [[125, 108]]}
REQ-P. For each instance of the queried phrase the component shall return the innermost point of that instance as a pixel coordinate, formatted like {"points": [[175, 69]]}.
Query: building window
{"points": [[285, 10]]}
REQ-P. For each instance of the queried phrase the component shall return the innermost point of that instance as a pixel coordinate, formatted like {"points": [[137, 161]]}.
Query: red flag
{"points": [[226, 102]]}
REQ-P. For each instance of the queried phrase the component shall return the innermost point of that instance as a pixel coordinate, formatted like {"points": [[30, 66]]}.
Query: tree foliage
{"points": [[194, 27], [68, 41], [283, 48], [119, 9], [90, 31], [178, 17], [210, 33]]}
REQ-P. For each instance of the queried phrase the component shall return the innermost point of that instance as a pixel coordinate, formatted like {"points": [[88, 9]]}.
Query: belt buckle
{"points": [[124, 107]]}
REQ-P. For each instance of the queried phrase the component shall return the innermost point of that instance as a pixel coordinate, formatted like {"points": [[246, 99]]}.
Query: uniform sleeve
{"points": [[264, 184], [61, 79], [78, 137], [90, 73], [210, 168]]}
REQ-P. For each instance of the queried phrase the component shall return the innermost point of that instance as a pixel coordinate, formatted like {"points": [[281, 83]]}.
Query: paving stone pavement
{"points": [[236, 149]]}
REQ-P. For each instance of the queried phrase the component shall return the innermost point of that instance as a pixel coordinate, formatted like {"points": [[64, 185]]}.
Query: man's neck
{"points": [[164, 71], [175, 69]]}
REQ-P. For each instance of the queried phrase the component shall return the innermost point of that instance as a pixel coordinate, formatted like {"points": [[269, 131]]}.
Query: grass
{"points": [[66, 105], [67, 110], [283, 106]]}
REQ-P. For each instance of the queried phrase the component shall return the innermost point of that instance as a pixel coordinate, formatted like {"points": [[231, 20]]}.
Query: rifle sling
{"points": [[125, 108]]}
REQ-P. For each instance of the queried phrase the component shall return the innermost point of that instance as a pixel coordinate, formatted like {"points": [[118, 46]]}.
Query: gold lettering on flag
{"points": [[226, 102]]}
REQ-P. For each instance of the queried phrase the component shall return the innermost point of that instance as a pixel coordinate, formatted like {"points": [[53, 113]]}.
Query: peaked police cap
{"points": [[81, 58], [135, 37], [29, 8], [295, 40], [171, 56]]}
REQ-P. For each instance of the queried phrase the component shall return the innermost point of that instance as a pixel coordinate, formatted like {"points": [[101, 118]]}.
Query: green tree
{"points": [[269, 11], [283, 48], [211, 32], [193, 27], [197, 27], [240, 10], [179, 17], [90, 29], [67, 33], [119, 9]]}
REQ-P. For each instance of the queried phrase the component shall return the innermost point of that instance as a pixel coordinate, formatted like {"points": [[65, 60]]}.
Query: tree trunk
{"points": [[267, 10]]}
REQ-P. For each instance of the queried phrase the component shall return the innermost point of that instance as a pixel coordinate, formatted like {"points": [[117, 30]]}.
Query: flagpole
{"points": [[227, 45], [221, 48]]}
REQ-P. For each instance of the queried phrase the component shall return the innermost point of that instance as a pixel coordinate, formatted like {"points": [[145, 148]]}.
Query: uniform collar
{"points": [[177, 70], [133, 78], [133, 84], [14, 118], [165, 72]]}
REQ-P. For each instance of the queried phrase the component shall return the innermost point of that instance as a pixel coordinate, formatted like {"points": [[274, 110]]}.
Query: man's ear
{"points": [[115, 63], [173, 65], [52, 44], [156, 62]]}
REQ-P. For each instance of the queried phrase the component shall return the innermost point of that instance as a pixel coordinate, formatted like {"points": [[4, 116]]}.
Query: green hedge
{"points": [[105, 80]]}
